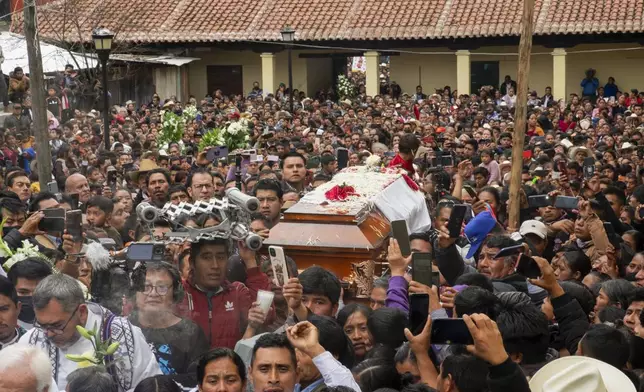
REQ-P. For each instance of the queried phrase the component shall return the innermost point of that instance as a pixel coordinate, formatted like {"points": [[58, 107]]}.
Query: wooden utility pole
{"points": [[520, 110], [37, 85]]}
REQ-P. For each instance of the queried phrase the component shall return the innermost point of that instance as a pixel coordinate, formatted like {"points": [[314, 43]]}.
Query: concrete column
{"points": [[463, 71], [268, 73], [559, 73], [373, 73]]}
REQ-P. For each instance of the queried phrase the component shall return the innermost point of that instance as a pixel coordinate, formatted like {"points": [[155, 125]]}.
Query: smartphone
{"points": [[399, 232], [450, 331], [343, 158], [418, 312], [509, 251], [527, 267], [74, 224], [52, 187], [111, 178], [53, 221], [447, 161], [538, 201], [561, 166], [566, 202], [216, 153], [278, 265], [421, 268], [589, 168], [455, 223], [470, 191]]}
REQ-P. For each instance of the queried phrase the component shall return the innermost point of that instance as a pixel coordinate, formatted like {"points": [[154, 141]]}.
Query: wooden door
{"points": [[227, 78]]}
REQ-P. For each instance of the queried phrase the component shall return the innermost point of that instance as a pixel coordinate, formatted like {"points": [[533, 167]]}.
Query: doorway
{"points": [[483, 73], [227, 78]]}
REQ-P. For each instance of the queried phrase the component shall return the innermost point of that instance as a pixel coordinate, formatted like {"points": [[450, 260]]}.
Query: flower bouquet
{"points": [[214, 137], [234, 135], [100, 355], [172, 130], [340, 192], [189, 114], [346, 89]]}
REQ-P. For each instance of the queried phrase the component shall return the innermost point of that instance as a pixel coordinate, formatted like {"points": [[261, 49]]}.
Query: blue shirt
{"points": [[310, 387]]}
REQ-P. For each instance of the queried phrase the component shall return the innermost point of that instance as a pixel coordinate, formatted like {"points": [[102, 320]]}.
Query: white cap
{"points": [[534, 227], [626, 145], [577, 373]]}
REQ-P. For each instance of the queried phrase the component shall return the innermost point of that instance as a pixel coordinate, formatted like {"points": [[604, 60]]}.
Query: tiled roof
{"points": [[149, 21]]}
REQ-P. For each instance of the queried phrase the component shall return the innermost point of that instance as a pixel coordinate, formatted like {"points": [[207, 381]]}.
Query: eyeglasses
{"points": [[55, 329], [160, 289]]}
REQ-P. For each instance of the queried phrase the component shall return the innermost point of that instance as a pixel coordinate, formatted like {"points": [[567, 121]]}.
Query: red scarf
{"points": [[399, 162]]}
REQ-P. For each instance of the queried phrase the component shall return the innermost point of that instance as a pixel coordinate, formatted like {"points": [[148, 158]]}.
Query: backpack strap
{"points": [[121, 333]]}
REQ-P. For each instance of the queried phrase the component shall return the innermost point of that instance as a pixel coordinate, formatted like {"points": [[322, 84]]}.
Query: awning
{"points": [[54, 58], [153, 59]]}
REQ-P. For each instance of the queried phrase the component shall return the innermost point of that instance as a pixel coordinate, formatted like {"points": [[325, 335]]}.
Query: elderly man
{"points": [[60, 307], [25, 369], [77, 184]]}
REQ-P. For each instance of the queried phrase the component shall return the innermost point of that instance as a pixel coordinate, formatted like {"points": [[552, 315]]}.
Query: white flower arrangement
{"points": [[25, 251], [346, 89], [189, 113], [373, 160]]}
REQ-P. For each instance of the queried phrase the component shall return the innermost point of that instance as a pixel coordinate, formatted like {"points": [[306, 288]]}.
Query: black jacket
{"points": [[572, 321], [507, 377]]}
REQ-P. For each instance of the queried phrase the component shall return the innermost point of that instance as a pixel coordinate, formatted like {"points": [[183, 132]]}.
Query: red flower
{"points": [[340, 192]]}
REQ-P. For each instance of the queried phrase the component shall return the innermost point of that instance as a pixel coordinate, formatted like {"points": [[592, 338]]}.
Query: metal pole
{"points": [[238, 171], [290, 79], [106, 104], [38, 105]]}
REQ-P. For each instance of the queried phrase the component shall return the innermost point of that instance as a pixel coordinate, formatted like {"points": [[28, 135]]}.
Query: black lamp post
{"points": [[288, 36], [103, 43]]}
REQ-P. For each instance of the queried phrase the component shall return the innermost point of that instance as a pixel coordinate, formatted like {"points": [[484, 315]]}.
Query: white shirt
{"points": [[144, 362], [334, 373]]}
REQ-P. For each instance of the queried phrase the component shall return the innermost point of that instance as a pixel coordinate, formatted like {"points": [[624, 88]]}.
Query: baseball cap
{"points": [[477, 230], [534, 227]]}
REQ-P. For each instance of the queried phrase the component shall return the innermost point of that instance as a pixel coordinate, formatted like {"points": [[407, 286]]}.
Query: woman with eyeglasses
{"points": [[175, 341]]}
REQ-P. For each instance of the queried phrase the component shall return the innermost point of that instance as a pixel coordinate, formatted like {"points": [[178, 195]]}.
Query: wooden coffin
{"points": [[332, 239]]}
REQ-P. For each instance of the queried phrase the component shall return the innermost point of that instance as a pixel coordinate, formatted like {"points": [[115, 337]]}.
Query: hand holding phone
{"points": [[421, 268], [455, 223], [450, 331], [400, 233]]}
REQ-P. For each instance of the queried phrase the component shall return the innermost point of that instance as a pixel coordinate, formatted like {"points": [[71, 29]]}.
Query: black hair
{"points": [[473, 143], [607, 344], [218, 353], [376, 373], [332, 338], [38, 197], [581, 293], [155, 171], [602, 277], [387, 326], [195, 247], [291, 155], [636, 296], [423, 236], [157, 384], [477, 300], [638, 238], [178, 188], [524, 329], [577, 261], [8, 289], [12, 204], [259, 217], [612, 190], [13, 175], [267, 184], [31, 268], [195, 172], [468, 372], [408, 144], [475, 279], [318, 281], [274, 340], [618, 292], [349, 310], [103, 203]]}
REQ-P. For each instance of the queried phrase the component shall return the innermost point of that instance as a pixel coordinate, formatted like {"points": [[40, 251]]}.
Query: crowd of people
{"points": [[194, 322]]}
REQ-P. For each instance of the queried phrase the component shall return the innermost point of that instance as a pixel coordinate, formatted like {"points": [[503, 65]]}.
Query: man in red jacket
{"points": [[220, 307]]}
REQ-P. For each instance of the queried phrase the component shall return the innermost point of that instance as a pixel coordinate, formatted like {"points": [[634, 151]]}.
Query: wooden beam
{"points": [[520, 110]]}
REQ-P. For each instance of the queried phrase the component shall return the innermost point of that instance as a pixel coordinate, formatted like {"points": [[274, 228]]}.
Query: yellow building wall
{"points": [[430, 71]]}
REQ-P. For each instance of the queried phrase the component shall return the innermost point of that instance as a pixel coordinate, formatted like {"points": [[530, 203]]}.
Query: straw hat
{"points": [[580, 374], [145, 166]]}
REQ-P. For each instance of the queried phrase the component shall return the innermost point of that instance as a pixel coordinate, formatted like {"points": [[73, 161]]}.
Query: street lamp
{"points": [[288, 36], [103, 43]]}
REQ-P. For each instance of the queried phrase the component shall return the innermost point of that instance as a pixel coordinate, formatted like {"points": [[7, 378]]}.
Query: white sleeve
{"points": [[145, 363], [334, 373]]}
